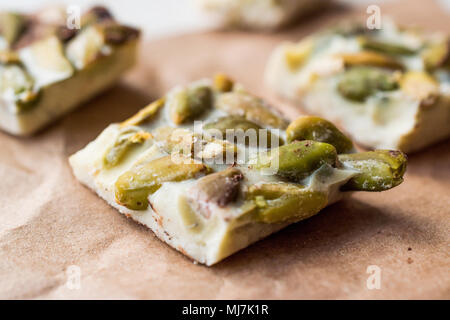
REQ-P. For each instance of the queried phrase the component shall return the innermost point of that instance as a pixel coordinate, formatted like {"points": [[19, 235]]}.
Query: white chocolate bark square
{"points": [[47, 70], [209, 195], [387, 88]]}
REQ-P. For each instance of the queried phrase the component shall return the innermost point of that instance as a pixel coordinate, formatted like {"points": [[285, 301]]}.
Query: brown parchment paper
{"points": [[49, 222]]}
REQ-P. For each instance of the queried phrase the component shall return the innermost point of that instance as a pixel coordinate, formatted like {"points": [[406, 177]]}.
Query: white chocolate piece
{"points": [[386, 120], [204, 239]]}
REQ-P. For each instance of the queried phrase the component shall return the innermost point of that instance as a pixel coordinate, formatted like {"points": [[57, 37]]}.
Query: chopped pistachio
{"points": [[299, 159], [218, 189], [189, 217], [237, 125], [358, 83], [127, 140], [186, 142], [297, 54], [27, 100], [369, 58], [135, 185], [185, 104], [144, 114], [250, 107], [15, 78], [17, 85], [9, 57], [437, 55], [318, 129], [379, 170], [174, 139], [385, 47], [222, 83], [283, 202]]}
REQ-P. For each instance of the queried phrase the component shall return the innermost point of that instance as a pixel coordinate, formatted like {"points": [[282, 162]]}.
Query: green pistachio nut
{"points": [[216, 151], [222, 83], [188, 216], [144, 114], [297, 54], [379, 170], [241, 130], [220, 189], [370, 58], [11, 26], [437, 55], [127, 140], [249, 107], [385, 47], [16, 81], [27, 100], [358, 83], [318, 129], [173, 139], [133, 187], [16, 78], [299, 159], [231, 122], [283, 202], [188, 103], [186, 142], [9, 57]]}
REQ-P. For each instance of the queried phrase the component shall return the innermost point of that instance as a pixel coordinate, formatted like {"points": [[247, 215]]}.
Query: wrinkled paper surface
{"points": [[59, 240]]}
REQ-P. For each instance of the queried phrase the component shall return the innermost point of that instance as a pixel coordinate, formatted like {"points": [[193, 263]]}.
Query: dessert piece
{"points": [[260, 14], [46, 69], [210, 169], [388, 88]]}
